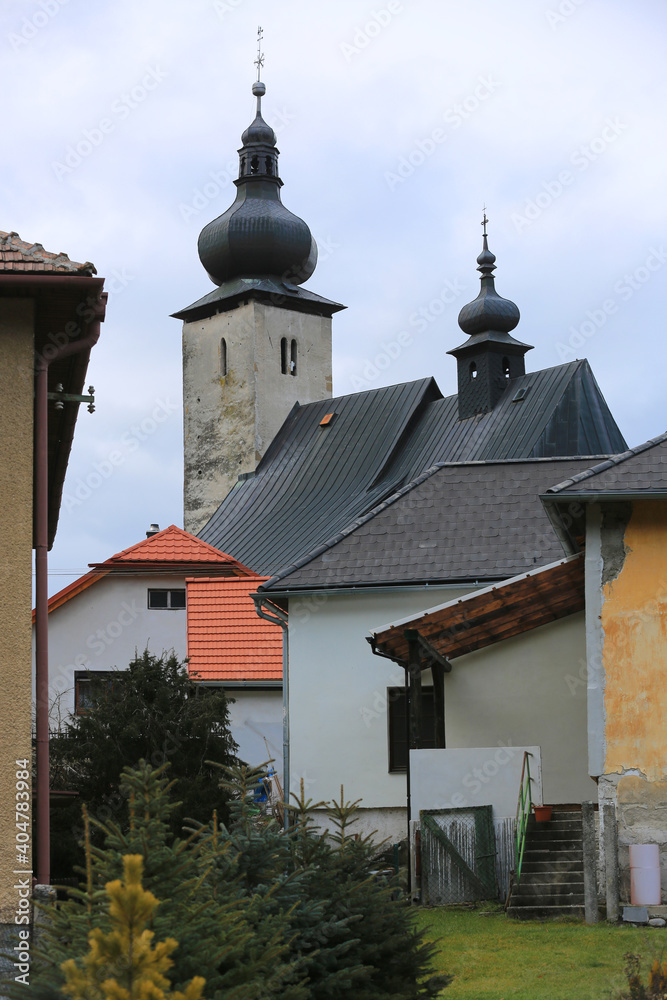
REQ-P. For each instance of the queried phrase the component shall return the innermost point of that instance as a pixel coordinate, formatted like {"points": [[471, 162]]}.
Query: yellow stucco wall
{"points": [[16, 456], [634, 623]]}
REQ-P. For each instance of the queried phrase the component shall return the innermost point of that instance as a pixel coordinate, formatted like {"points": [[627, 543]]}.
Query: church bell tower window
{"points": [[223, 357], [283, 356], [292, 358]]}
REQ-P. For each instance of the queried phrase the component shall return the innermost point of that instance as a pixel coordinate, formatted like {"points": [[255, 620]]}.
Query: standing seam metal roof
{"points": [[314, 482]]}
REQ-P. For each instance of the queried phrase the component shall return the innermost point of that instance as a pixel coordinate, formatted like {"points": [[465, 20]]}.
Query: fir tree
{"points": [[124, 964], [153, 712], [204, 903]]}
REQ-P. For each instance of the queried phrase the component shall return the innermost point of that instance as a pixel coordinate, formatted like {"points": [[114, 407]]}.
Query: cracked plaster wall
{"points": [[633, 628]]}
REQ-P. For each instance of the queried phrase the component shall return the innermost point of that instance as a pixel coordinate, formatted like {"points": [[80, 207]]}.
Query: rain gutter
{"points": [[267, 610], [56, 353]]}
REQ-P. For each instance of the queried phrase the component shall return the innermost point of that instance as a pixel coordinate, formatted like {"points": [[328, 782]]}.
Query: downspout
{"points": [[279, 617], [41, 572]]}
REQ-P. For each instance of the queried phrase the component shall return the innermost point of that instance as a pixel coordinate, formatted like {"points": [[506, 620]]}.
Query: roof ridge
{"points": [[609, 463], [153, 540]]}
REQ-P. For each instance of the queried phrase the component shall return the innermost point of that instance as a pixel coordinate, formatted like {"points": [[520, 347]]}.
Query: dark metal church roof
{"points": [[315, 481]]}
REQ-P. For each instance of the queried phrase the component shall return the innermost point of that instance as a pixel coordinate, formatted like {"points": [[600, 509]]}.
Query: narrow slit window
{"points": [[283, 356], [473, 370], [292, 358], [223, 357]]}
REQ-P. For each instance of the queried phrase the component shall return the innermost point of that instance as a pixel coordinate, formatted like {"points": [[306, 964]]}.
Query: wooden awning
{"points": [[490, 615]]}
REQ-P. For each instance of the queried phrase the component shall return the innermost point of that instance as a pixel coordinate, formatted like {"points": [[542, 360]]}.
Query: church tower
{"points": [[490, 356], [258, 343]]}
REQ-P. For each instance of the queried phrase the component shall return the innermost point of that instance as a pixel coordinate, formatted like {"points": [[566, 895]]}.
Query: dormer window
{"points": [[473, 370]]}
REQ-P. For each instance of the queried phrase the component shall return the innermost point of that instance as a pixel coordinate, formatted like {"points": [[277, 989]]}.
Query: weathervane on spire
{"points": [[259, 61]]}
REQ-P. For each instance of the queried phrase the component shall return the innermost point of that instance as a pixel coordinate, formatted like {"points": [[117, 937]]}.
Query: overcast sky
{"points": [[396, 122]]}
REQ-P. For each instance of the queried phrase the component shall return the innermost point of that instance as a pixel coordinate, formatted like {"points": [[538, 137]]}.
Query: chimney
{"points": [[153, 530]]}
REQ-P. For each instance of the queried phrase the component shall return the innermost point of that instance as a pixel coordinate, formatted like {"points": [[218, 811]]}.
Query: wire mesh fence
{"points": [[465, 857]]}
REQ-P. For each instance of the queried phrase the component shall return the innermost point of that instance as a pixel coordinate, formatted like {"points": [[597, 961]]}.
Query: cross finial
{"points": [[259, 61], [484, 220]]}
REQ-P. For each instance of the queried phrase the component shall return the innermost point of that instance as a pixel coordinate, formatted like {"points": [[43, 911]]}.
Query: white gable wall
{"points": [[530, 690], [104, 627]]}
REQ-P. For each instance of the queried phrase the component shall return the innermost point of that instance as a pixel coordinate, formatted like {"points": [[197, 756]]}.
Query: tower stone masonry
{"points": [[259, 343]]}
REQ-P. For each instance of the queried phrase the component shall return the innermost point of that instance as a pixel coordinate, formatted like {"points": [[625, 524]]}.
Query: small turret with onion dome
{"points": [[491, 356], [257, 236]]}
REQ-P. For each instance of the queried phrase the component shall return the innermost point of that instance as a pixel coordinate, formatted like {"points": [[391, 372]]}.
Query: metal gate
{"points": [[458, 855]]}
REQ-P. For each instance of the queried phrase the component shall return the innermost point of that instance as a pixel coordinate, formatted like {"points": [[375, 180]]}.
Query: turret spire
{"points": [[490, 357], [257, 235]]}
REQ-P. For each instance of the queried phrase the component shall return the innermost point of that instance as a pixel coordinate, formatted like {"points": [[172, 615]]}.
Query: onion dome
{"points": [[489, 311], [257, 235]]}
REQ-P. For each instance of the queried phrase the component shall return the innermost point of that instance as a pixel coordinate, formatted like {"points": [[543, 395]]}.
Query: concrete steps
{"points": [[552, 873]]}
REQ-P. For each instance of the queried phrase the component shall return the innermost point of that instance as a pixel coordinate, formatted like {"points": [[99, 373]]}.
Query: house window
{"points": [[170, 600], [91, 686], [283, 356], [398, 737], [223, 357]]}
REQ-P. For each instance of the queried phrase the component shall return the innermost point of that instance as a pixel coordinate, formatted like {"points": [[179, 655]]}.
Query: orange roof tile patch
{"points": [[18, 256], [170, 547], [173, 545], [227, 640]]}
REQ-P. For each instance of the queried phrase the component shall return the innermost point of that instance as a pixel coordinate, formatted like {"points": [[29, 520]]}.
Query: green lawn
{"points": [[493, 958]]}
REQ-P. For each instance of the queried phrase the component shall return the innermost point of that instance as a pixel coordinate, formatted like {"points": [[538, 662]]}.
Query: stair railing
{"points": [[523, 807]]}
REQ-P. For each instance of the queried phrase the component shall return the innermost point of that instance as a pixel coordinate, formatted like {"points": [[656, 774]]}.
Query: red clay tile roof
{"points": [[171, 547], [227, 641], [17, 255]]}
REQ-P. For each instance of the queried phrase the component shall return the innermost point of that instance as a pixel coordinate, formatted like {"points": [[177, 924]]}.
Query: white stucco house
{"points": [[132, 601]]}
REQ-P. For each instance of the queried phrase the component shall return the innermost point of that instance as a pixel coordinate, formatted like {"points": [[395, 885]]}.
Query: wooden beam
{"points": [[438, 672], [415, 690]]}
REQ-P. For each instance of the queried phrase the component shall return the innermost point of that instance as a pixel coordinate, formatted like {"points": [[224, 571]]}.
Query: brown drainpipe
{"points": [[41, 550]]}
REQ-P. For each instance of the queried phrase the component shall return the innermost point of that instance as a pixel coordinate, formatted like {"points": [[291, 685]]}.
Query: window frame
{"points": [[168, 591], [397, 726], [89, 677]]}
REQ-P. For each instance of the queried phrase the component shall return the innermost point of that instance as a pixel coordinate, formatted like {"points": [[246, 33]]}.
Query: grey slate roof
{"points": [[268, 288], [459, 522], [638, 470], [314, 482]]}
